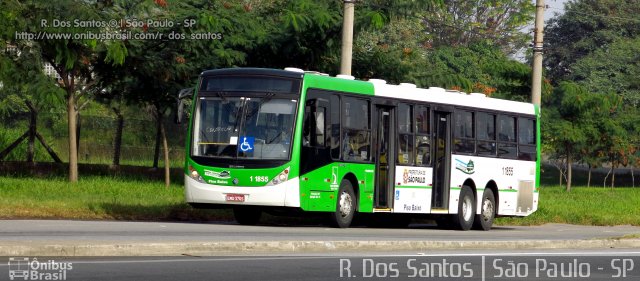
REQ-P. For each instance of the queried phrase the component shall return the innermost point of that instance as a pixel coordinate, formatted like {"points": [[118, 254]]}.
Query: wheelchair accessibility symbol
{"points": [[247, 144]]}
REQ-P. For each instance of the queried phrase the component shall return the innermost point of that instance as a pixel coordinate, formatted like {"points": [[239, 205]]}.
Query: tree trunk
{"points": [[33, 118], [604, 184], [156, 153], [73, 146], [165, 147], [569, 170], [633, 178], [78, 125], [613, 176], [589, 178], [117, 142], [561, 174]]}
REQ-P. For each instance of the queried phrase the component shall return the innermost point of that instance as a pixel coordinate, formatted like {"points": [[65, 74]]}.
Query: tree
{"points": [[71, 57], [151, 72], [302, 33], [586, 26], [612, 69], [462, 23], [25, 87], [565, 126]]}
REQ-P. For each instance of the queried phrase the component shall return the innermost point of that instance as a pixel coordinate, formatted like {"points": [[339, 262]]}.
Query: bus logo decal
{"points": [[247, 144], [467, 168], [219, 175]]}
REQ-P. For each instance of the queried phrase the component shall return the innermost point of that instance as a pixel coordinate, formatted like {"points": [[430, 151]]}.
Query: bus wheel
{"points": [[247, 215], [484, 220], [345, 207], [466, 209]]}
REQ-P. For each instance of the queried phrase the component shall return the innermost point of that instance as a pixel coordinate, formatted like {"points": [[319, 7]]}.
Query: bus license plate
{"points": [[235, 197]]}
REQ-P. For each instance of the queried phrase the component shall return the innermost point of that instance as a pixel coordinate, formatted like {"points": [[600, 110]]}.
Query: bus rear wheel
{"points": [[345, 206], [247, 215], [466, 209], [484, 220]]}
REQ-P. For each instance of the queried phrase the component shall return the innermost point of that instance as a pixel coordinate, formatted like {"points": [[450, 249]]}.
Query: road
{"points": [[117, 238], [603, 264]]}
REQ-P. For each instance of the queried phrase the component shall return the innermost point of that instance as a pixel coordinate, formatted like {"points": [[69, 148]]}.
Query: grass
{"points": [[97, 198], [585, 206], [130, 198]]}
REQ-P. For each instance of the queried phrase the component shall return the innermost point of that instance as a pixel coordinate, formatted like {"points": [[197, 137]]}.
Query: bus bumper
{"points": [[286, 194]]}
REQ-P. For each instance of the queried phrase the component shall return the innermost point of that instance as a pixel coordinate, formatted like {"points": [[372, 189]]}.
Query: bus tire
{"points": [[247, 215], [345, 206], [484, 220], [463, 220]]}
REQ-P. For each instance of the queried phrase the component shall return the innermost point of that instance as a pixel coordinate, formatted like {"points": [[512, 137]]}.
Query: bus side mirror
{"points": [[184, 93]]}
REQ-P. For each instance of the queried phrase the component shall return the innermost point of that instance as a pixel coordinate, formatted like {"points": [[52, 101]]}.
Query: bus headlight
{"points": [[195, 175], [281, 177]]}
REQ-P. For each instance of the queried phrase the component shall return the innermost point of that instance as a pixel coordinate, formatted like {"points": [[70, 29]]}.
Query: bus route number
{"points": [[259, 178], [507, 171]]}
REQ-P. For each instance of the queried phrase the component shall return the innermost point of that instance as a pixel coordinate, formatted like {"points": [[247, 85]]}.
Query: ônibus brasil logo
{"points": [[25, 269]]}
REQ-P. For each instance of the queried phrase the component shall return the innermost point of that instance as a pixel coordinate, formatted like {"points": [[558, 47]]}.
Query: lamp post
{"points": [[347, 37]]}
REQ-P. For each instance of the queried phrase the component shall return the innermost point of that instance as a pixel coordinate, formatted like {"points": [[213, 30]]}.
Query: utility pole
{"points": [[536, 82], [347, 37]]}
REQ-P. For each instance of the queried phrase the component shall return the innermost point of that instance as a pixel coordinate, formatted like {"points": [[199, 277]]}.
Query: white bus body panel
{"points": [[516, 193], [286, 194], [412, 192], [515, 180]]}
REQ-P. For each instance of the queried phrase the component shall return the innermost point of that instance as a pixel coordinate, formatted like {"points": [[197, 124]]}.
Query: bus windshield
{"points": [[244, 127]]}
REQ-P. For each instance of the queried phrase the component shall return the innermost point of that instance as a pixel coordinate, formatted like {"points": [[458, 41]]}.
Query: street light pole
{"points": [[347, 37], [536, 81]]}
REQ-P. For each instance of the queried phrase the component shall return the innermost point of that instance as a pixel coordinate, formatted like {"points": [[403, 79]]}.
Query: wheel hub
{"points": [[345, 204]]}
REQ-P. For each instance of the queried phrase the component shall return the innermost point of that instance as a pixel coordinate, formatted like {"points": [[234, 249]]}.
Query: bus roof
{"points": [[437, 95]]}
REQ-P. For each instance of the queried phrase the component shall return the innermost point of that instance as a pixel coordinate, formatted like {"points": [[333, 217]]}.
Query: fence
{"points": [[96, 138]]}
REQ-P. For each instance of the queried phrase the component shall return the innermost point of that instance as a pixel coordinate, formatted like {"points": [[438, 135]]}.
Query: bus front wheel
{"points": [[345, 206], [466, 209], [247, 215]]}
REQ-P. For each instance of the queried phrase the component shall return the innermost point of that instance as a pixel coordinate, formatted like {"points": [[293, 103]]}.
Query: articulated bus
{"points": [[267, 139]]}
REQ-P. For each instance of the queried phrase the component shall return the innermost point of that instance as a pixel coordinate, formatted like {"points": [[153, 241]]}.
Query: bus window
{"points": [[405, 137], [464, 141], [314, 126], [335, 126], [356, 137], [506, 137], [526, 139], [423, 136], [486, 126]]}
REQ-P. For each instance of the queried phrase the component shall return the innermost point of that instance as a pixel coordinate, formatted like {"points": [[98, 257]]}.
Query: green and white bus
{"points": [[268, 139]]}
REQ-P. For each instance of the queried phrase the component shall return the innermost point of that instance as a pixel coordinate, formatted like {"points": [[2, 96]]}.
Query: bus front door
{"points": [[385, 157], [442, 160]]}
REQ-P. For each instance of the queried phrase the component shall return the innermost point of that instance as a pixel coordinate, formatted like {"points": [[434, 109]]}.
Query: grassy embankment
{"points": [[130, 199], [97, 198]]}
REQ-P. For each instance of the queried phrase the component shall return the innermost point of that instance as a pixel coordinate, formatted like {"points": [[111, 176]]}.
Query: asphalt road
{"points": [[29, 231], [604, 264]]}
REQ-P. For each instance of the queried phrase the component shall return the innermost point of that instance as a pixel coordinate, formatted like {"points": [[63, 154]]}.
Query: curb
{"points": [[222, 248]]}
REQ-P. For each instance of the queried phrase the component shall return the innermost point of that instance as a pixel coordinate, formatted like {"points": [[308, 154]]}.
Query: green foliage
{"points": [[462, 23], [477, 68], [305, 34], [586, 26], [391, 53], [614, 69]]}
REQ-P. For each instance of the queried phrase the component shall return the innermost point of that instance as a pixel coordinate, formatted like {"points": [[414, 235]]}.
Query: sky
{"points": [[554, 6]]}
